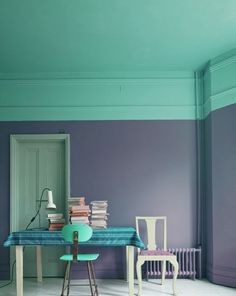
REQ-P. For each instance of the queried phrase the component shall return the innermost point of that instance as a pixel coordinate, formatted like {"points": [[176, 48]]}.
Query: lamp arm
{"points": [[40, 204]]}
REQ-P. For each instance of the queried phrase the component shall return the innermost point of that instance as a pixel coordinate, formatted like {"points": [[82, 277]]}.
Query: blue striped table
{"points": [[110, 237]]}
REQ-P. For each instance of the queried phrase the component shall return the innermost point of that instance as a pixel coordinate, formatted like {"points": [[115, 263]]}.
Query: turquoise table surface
{"points": [[114, 236], [111, 237]]}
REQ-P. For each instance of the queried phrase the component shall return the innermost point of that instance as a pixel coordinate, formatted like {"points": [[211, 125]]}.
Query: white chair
{"points": [[152, 254]]}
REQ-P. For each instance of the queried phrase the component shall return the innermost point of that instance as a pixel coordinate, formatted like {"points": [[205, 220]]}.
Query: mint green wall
{"points": [[170, 96]]}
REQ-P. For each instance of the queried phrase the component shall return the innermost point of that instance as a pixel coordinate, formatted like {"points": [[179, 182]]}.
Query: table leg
{"points": [[39, 263], [131, 269], [127, 262], [19, 270]]}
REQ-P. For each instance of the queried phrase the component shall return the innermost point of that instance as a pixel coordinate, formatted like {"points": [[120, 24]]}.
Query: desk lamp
{"points": [[50, 205]]}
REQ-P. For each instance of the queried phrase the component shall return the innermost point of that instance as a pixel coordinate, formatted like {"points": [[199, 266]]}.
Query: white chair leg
{"points": [[139, 275], [163, 272], [175, 264]]}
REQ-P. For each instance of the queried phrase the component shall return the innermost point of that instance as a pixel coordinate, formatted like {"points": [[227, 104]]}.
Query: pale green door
{"points": [[40, 164]]}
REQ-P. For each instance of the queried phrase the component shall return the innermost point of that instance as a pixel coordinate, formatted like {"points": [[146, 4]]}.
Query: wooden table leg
{"points": [[19, 270], [131, 270], [39, 263], [127, 262]]}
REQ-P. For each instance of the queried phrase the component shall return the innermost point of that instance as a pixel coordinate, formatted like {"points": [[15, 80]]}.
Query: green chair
{"points": [[76, 233]]}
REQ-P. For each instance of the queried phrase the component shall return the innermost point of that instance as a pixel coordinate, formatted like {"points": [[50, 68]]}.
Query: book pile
{"points": [[99, 214], [56, 221], [78, 210]]}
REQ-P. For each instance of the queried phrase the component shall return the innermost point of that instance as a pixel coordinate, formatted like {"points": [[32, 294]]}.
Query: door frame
{"points": [[15, 140]]}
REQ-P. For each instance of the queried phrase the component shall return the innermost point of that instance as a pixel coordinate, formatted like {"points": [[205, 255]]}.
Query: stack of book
{"points": [[99, 214], [56, 221], [78, 210]]}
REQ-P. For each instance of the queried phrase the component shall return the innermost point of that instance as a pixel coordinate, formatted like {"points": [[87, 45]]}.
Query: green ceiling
{"points": [[113, 36]]}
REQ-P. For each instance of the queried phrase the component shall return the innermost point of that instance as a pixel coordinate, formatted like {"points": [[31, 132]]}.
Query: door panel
{"points": [[28, 184], [41, 164]]}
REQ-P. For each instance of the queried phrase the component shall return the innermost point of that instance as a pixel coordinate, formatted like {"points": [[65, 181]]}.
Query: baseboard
{"points": [[222, 275]]}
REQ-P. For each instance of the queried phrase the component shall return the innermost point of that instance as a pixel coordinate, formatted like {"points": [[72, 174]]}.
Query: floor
{"points": [[52, 287]]}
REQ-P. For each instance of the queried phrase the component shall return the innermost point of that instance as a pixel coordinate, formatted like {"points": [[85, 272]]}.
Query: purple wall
{"points": [[140, 167], [221, 196], [207, 209]]}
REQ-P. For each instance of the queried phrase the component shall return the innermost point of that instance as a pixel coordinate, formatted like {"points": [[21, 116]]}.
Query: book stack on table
{"points": [[56, 221], [79, 212], [99, 214]]}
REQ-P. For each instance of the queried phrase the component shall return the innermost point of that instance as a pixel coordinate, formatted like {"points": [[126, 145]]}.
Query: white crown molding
{"points": [[44, 113], [223, 94], [222, 64], [219, 62], [98, 75], [96, 82], [219, 100]]}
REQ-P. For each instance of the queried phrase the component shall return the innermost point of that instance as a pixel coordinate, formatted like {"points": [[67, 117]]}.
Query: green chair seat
{"points": [[80, 257]]}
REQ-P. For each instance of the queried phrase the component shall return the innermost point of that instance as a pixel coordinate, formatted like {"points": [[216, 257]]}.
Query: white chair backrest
{"points": [[151, 231]]}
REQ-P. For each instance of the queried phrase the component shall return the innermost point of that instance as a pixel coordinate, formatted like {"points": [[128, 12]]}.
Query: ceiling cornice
{"points": [[98, 75]]}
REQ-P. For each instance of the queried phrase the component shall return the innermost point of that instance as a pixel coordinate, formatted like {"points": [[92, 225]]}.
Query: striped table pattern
{"points": [[110, 237]]}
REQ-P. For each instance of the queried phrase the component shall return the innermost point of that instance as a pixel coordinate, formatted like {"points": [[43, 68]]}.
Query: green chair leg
{"points": [[65, 279], [94, 279], [69, 276], [90, 277]]}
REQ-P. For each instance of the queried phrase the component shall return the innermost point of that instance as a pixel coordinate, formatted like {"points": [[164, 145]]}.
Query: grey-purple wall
{"points": [[140, 167], [221, 196]]}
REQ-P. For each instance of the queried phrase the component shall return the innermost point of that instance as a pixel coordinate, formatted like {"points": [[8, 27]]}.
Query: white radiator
{"points": [[189, 260]]}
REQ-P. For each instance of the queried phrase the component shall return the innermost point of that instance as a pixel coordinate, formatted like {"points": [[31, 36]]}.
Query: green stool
{"points": [[78, 233]]}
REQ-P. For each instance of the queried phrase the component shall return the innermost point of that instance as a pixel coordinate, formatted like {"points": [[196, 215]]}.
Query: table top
{"points": [[110, 237]]}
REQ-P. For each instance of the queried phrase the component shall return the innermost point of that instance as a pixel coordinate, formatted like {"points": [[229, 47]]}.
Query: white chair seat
{"points": [[155, 253]]}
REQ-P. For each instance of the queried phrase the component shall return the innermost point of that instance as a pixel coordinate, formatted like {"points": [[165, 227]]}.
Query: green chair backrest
{"points": [[84, 232]]}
